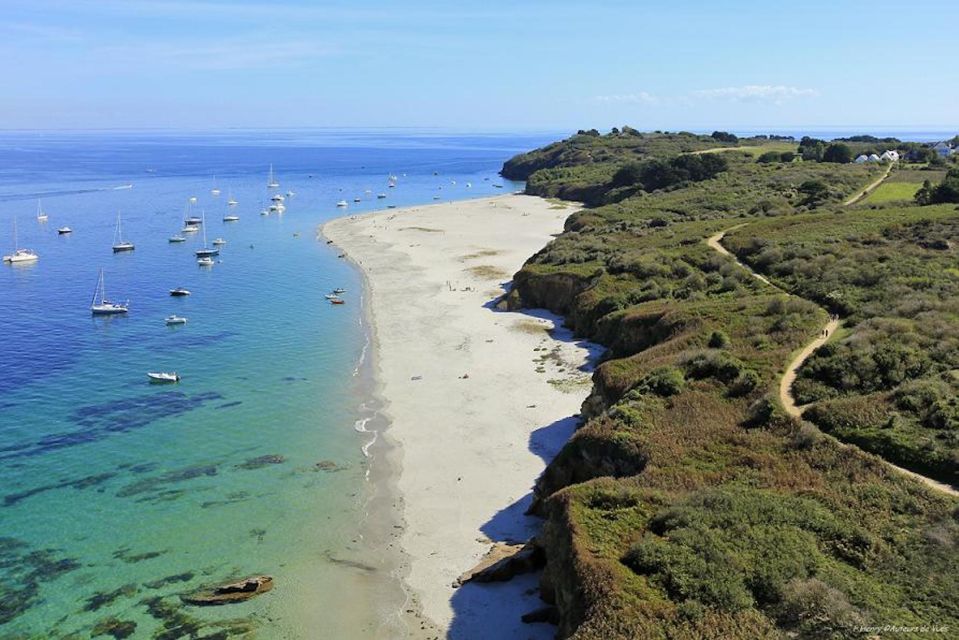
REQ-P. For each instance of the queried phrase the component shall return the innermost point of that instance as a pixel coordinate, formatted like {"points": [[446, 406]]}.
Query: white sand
{"points": [[469, 448]]}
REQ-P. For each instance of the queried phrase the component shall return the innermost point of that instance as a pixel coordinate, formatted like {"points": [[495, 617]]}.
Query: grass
{"points": [[893, 191]]}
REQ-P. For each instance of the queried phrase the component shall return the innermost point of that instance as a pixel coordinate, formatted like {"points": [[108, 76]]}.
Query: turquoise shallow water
{"points": [[116, 495]]}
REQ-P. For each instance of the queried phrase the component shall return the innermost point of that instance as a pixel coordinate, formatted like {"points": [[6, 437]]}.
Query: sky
{"points": [[522, 65]]}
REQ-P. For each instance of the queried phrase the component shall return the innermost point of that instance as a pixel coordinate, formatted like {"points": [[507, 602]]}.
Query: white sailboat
{"points": [[119, 244], [272, 183], [230, 218], [20, 255], [102, 306], [232, 201], [41, 216], [215, 191], [206, 252]]}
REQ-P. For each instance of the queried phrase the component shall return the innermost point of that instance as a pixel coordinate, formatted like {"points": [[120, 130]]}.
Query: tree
{"points": [[838, 153], [725, 136], [924, 195], [811, 149], [787, 156]]}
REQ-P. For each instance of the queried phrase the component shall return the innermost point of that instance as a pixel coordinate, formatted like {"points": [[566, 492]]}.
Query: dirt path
{"points": [[869, 187], [826, 332], [786, 382]]}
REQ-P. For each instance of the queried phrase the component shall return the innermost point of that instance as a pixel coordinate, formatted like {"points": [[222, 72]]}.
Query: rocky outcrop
{"points": [[504, 561], [231, 592]]}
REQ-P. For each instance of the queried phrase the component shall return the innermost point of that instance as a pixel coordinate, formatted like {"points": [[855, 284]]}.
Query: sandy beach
{"points": [[477, 399]]}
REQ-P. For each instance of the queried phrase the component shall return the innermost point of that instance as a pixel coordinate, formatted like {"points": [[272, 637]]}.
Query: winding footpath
{"points": [[826, 332]]}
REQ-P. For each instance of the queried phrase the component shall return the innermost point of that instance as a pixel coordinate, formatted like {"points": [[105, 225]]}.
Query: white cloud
{"points": [[776, 94], [630, 98]]}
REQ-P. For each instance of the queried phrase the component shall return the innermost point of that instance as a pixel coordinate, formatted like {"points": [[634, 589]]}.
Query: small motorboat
{"points": [[190, 228], [175, 319], [277, 207], [337, 301], [391, 206], [163, 376], [219, 242], [179, 292], [342, 203], [64, 231], [277, 197], [338, 291], [380, 196], [193, 221], [230, 218], [331, 296], [356, 200], [177, 238], [205, 261]]}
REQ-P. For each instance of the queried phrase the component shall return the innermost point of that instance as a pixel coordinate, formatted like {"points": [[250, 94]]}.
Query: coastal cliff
{"points": [[688, 504]]}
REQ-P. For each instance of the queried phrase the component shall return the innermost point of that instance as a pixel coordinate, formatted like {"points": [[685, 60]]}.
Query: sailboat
{"points": [[215, 191], [206, 252], [271, 182], [119, 244], [41, 216], [232, 201], [20, 255], [104, 307]]}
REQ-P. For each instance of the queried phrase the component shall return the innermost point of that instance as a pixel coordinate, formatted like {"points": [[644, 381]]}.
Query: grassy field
{"points": [[892, 192], [687, 505]]}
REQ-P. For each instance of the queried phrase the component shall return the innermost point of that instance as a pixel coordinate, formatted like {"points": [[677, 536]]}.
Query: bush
{"points": [[724, 136], [769, 157], [718, 340]]}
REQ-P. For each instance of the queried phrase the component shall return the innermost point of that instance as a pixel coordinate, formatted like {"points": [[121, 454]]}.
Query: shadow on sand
{"points": [[493, 610]]}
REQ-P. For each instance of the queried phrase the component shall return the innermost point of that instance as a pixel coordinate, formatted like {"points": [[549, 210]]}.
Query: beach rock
{"points": [[503, 561], [325, 465], [231, 592]]}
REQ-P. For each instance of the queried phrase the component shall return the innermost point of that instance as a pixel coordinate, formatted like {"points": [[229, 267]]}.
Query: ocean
{"points": [[117, 495]]}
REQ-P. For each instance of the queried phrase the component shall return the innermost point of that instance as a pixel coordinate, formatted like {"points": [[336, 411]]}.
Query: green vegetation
{"points": [[888, 272], [688, 505], [945, 191]]}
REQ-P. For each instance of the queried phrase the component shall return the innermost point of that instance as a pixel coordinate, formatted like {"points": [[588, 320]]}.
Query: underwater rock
{"points": [[325, 465], [162, 582], [114, 627], [130, 558], [180, 475], [261, 461], [100, 600], [231, 592]]}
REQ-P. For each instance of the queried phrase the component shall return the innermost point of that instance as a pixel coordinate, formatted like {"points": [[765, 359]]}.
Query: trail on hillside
{"points": [[792, 369], [869, 187]]}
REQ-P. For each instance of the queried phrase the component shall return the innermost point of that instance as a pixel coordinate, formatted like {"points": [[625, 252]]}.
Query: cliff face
{"points": [[686, 505]]}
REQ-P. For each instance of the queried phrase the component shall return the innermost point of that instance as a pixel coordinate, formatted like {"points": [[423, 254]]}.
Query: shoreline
{"points": [[454, 458]]}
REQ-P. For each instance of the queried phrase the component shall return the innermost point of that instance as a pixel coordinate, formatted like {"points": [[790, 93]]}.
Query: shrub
{"points": [[718, 340], [769, 157]]}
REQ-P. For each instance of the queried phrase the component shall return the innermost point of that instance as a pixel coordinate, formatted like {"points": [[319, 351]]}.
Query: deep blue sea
{"points": [[117, 496]]}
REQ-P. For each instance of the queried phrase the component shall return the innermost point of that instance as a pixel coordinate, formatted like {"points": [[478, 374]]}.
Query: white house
{"points": [[873, 158], [889, 156], [861, 158]]}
